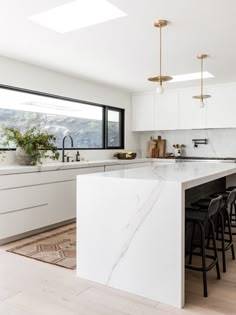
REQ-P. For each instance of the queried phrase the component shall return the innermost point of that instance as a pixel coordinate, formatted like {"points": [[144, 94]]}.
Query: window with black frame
{"points": [[115, 128], [92, 126]]}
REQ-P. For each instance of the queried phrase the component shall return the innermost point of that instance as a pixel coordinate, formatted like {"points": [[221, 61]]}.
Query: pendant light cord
{"points": [[202, 78], [160, 54]]}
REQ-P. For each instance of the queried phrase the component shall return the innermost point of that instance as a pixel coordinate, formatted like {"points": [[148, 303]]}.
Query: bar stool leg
{"points": [[228, 224], [221, 217], [191, 248], [217, 226], [215, 248], [203, 259]]}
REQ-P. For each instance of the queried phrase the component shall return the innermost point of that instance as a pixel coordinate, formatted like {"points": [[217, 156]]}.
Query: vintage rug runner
{"points": [[59, 248]]}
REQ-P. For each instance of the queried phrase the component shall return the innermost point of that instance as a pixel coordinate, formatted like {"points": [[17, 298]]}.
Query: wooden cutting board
{"points": [[151, 145], [161, 146]]}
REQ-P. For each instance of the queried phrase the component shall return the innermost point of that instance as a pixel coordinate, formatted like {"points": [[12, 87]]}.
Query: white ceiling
{"points": [[124, 52]]}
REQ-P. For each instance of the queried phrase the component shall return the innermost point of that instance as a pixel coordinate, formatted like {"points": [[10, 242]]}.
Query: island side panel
{"points": [[130, 236]]}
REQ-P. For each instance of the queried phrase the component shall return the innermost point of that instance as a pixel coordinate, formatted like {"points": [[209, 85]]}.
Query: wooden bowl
{"points": [[126, 155]]}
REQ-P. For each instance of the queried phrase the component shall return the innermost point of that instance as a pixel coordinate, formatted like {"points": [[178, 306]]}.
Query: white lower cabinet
{"points": [[30, 208], [32, 201], [37, 200], [136, 165], [109, 168]]}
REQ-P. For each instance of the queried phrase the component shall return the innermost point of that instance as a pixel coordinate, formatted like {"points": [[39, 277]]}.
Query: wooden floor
{"points": [[29, 287], [221, 293]]}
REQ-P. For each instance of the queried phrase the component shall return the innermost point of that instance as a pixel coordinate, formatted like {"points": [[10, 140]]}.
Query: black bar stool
{"points": [[204, 220], [223, 221], [232, 210]]}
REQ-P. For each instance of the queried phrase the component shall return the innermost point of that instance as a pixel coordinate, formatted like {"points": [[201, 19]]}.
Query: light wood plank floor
{"points": [[29, 287]]}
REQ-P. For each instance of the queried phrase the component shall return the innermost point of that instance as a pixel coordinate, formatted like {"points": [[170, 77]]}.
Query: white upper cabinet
{"points": [[221, 107], [167, 110], [177, 109], [143, 112], [191, 115]]}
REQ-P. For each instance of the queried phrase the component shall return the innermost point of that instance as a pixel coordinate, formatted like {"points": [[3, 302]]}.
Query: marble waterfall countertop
{"points": [[54, 166], [188, 173], [131, 232]]}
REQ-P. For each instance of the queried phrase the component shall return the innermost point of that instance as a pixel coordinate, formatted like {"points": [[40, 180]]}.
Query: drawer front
{"points": [[13, 200], [35, 207]]}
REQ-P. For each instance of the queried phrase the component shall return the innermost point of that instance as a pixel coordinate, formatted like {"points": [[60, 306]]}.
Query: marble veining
{"points": [[136, 222]]}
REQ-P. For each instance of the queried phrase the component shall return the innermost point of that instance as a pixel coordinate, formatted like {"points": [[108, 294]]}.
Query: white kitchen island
{"points": [[131, 227]]}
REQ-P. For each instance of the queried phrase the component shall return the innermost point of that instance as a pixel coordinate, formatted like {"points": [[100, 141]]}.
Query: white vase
{"points": [[22, 157], [178, 151]]}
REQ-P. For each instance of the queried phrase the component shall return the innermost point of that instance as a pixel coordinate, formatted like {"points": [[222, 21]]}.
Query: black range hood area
{"points": [[200, 158]]}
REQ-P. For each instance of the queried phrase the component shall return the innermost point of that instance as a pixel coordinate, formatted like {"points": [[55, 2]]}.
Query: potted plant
{"points": [[31, 146]]}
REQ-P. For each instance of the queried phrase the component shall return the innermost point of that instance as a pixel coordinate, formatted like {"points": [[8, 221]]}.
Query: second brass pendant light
{"points": [[202, 96], [160, 24]]}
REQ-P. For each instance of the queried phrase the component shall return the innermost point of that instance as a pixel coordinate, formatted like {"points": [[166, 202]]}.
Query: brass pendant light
{"points": [[202, 96], [160, 24]]}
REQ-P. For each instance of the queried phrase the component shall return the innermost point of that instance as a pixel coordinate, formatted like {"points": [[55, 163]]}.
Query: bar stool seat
{"points": [[230, 188], [202, 203], [224, 195]]}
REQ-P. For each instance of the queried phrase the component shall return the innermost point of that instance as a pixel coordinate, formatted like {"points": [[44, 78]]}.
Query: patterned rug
{"points": [[57, 249]]}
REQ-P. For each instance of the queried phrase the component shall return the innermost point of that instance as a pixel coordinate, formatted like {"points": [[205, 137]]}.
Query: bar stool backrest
{"points": [[231, 200], [214, 206]]}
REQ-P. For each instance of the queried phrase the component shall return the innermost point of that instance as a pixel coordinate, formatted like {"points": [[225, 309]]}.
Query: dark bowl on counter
{"points": [[125, 155]]}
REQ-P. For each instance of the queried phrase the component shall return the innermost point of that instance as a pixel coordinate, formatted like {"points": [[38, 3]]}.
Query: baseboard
{"points": [[34, 232]]}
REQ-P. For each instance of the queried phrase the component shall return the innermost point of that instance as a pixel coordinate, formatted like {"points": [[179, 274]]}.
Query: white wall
{"points": [[27, 76], [222, 142]]}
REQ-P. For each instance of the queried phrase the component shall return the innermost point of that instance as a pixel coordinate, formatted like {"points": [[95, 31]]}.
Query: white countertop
{"points": [[54, 166], [188, 173]]}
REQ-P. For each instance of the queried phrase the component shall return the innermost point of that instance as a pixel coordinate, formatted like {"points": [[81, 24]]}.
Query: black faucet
{"points": [[63, 146], [196, 142]]}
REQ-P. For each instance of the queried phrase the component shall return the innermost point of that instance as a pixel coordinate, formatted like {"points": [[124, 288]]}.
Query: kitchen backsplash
{"points": [[221, 142]]}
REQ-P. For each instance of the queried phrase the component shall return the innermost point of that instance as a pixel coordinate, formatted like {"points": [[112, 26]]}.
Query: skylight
{"points": [[77, 14], [191, 76]]}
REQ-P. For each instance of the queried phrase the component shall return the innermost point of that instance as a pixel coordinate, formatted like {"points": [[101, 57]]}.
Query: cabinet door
{"points": [[167, 111], [221, 107], [191, 115], [143, 112], [109, 168], [25, 209], [136, 165]]}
